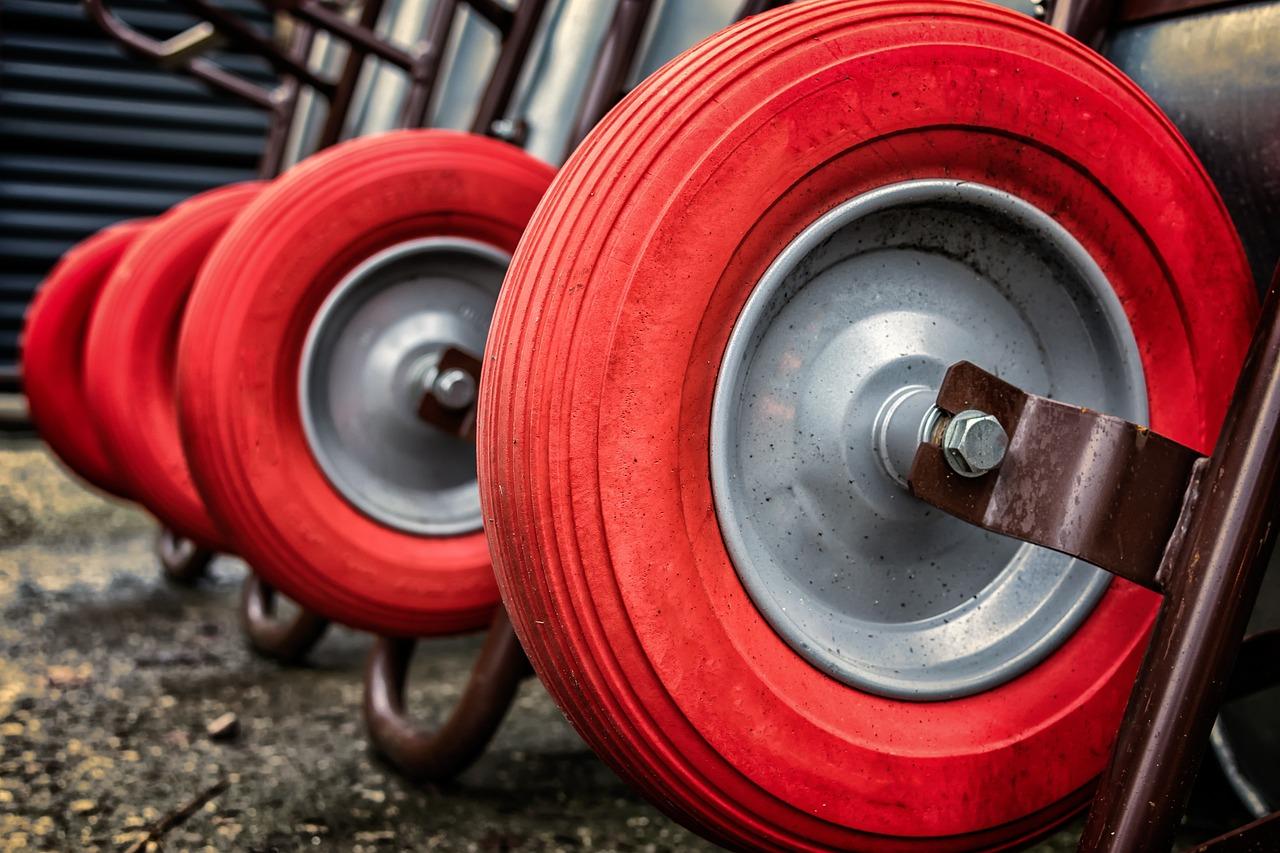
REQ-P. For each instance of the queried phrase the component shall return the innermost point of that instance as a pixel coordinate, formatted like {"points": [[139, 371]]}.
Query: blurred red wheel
{"points": [[132, 349], [53, 347], [688, 458], [318, 325]]}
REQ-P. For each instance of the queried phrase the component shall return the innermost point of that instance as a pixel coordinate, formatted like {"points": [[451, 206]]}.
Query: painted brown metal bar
{"points": [[327, 20], [755, 7], [1260, 836], [1136, 11], [502, 18], [613, 64], [1212, 578], [1084, 20], [1114, 493], [441, 755], [284, 640], [516, 41], [344, 91], [240, 32], [183, 52], [284, 107], [425, 69]]}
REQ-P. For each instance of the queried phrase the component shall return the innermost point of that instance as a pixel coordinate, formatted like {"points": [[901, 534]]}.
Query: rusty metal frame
{"points": [[283, 640], [1199, 530], [218, 27], [289, 641], [1216, 516], [501, 665], [440, 755]]}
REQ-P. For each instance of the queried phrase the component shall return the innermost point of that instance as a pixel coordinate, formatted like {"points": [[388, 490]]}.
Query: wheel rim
{"points": [[369, 357], [819, 404]]}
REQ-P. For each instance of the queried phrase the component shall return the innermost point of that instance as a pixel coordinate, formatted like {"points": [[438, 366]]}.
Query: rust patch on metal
{"points": [[459, 422]]}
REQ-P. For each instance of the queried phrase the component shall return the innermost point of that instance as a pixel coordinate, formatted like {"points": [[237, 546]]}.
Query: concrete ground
{"points": [[109, 677]]}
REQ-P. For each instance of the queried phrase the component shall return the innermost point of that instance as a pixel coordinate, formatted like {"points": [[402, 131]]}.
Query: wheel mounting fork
{"points": [[1199, 530]]}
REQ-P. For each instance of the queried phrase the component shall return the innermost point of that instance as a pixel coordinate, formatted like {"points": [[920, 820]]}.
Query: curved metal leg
{"points": [[441, 755], [283, 641], [182, 560]]}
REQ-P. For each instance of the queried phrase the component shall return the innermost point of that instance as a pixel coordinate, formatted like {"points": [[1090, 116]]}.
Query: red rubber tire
{"points": [[602, 362], [131, 351], [241, 346], [53, 352]]}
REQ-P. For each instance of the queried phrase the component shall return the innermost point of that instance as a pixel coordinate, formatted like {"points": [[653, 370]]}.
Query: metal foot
{"points": [[441, 755], [284, 641], [183, 561]]}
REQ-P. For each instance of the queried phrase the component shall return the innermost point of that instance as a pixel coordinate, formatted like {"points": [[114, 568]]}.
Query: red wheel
{"points": [[688, 452], [132, 348], [53, 355], [328, 314]]}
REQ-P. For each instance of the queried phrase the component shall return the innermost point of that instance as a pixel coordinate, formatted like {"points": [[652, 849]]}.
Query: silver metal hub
{"points": [[370, 355], [824, 391]]}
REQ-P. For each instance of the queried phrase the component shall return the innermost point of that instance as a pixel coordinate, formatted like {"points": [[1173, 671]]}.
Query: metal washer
{"points": [[368, 359], [882, 293]]}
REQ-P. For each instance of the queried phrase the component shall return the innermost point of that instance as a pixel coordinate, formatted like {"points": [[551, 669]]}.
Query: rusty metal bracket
{"points": [[286, 641], [459, 422], [1087, 484], [187, 52], [441, 755]]}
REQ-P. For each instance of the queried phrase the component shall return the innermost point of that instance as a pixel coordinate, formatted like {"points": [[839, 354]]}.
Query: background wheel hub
{"points": [[370, 356]]}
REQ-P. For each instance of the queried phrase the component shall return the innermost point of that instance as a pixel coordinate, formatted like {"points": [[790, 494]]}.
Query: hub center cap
{"points": [[824, 392], [371, 354]]}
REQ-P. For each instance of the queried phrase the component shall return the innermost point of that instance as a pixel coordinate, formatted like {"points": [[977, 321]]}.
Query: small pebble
{"points": [[225, 727]]}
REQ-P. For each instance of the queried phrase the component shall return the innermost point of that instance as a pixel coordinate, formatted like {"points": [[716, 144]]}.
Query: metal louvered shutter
{"points": [[90, 135]]}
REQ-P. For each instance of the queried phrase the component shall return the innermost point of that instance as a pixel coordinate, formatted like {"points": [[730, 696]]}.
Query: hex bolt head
{"points": [[454, 388], [974, 443]]}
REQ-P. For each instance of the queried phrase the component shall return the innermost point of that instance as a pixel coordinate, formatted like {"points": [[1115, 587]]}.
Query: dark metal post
{"points": [[1211, 575], [755, 7], [1084, 20], [284, 106], [613, 64], [516, 40], [426, 67], [340, 103]]}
